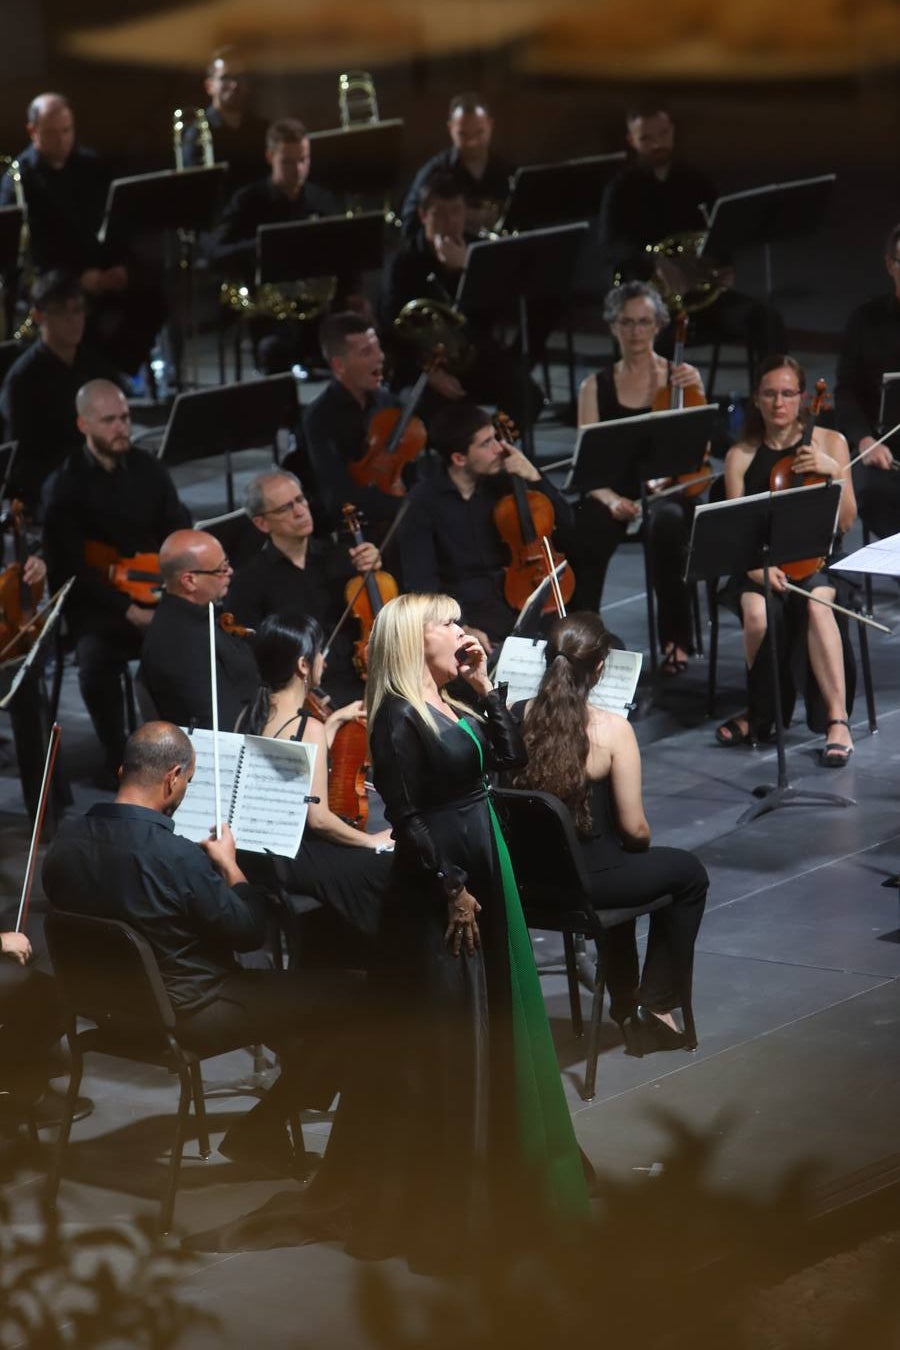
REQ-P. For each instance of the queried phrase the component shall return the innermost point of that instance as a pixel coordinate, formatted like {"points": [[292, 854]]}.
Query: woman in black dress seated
{"points": [[464, 1127], [336, 863], [590, 760], [814, 654], [606, 515]]}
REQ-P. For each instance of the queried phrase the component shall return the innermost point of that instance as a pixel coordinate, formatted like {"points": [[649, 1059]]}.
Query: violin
{"points": [[366, 600], [672, 398], [524, 518], [18, 600], [137, 576], [782, 476], [347, 763], [229, 624], [395, 437]]}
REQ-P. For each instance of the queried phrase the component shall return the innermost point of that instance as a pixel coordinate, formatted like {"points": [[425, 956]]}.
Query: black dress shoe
{"points": [[644, 1032], [51, 1107], [260, 1140]]}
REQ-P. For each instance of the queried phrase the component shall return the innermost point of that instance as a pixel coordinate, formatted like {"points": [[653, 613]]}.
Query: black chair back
{"points": [[107, 972], [543, 845]]}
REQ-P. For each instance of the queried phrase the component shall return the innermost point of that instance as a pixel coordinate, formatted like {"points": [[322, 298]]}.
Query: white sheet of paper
{"points": [[881, 559], [196, 815], [522, 666]]}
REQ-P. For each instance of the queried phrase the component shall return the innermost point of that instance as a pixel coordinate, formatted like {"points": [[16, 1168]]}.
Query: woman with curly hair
{"points": [[590, 759]]}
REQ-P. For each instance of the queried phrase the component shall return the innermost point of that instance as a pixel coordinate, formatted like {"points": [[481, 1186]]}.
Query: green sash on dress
{"points": [[545, 1125]]}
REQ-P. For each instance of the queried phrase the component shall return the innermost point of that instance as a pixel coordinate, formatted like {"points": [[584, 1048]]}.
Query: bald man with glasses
{"points": [[175, 660]]}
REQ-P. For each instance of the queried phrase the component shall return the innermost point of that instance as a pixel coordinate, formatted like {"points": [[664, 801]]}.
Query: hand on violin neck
{"points": [[519, 464], [34, 571], [813, 459], [365, 557], [686, 376]]}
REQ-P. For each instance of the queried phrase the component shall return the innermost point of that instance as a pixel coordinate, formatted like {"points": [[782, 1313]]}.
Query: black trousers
{"points": [[669, 961], [31, 1022], [102, 658], [598, 535]]}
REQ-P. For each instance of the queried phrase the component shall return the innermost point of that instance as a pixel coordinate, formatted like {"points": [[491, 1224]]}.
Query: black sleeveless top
{"points": [[609, 409]]}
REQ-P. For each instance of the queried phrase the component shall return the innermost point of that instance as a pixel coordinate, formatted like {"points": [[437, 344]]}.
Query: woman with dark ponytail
{"points": [[590, 759], [336, 863]]}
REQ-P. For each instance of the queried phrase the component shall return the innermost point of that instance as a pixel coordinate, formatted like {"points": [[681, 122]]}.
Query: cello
{"points": [[525, 520], [783, 476]]}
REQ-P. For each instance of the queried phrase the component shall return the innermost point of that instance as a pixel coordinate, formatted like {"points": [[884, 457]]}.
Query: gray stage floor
{"points": [[797, 991]]}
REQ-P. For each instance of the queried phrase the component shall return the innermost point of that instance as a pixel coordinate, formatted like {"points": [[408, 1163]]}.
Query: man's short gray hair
{"points": [[254, 492]]}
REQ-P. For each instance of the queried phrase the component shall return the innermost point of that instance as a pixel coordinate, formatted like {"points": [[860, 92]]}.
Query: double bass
{"points": [[524, 520]]}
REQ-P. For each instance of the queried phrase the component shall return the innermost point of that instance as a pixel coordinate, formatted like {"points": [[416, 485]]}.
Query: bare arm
{"points": [[625, 784], [587, 402]]}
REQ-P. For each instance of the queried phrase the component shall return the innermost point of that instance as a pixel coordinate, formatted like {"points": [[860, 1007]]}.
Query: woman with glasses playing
{"points": [[815, 657], [606, 515]]}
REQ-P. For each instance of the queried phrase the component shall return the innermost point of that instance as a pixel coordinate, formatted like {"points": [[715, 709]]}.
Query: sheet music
{"points": [[522, 666], [271, 806], [879, 559], [196, 815]]}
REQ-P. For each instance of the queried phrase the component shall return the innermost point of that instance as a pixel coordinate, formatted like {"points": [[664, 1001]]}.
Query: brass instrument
{"points": [[357, 101], [297, 300], [426, 324], [27, 329], [686, 280], [181, 120]]}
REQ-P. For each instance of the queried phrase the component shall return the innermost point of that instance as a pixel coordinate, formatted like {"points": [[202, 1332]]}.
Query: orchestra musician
{"points": [[37, 399], [65, 188], [636, 316], [112, 493], [333, 428], [448, 539], [428, 265], [175, 657], [590, 759], [815, 656], [238, 135], [284, 196], [871, 346], [294, 573], [483, 176], [194, 906], [655, 196]]}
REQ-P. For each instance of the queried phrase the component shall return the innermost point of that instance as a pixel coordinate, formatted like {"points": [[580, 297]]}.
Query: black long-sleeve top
{"points": [[492, 186], [242, 148], [870, 346], [417, 771], [125, 862], [639, 209], [262, 203], [450, 544], [175, 666], [65, 210], [132, 508]]}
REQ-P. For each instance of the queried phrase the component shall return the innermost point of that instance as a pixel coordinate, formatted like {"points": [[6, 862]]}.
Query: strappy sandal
{"points": [[732, 733], [835, 755], [672, 663]]}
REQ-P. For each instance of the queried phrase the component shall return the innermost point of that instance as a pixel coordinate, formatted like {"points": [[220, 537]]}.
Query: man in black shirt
{"points": [[482, 175], [65, 189], [195, 907], [334, 427], [110, 493], [295, 574], [429, 266], [448, 538], [238, 135], [37, 400], [175, 656], [656, 196], [285, 196], [870, 347]]}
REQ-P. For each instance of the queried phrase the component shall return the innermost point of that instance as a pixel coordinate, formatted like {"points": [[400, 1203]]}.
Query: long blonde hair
{"points": [[396, 657]]}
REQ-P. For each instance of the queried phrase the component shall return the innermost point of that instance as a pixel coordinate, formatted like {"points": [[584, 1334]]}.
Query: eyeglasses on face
{"points": [[283, 509], [642, 324], [770, 395], [222, 570]]}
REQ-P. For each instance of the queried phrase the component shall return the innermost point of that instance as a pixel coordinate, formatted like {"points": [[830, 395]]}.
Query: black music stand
{"points": [[889, 407], [536, 265], [328, 247], [543, 195], [361, 161], [227, 419], [655, 445], [733, 537], [760, 217], [11, 220]]}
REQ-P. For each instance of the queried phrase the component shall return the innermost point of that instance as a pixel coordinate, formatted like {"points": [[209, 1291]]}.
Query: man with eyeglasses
{"points": [[870, 347], [174, 666], [294, 574], [107, 492]]}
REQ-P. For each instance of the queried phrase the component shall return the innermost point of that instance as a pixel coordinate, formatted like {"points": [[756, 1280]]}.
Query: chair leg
{"points": [[301, 1156], [695, 615], [713, 371], [712, 672], [200, 1111], [572, 981], [167, 1210], [76, 1070], [867, 677], [687, 1016], [570, 361], [592, 1053]]}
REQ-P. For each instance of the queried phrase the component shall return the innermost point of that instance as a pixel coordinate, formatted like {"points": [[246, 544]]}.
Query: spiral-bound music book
{"points": [[264, 786]]}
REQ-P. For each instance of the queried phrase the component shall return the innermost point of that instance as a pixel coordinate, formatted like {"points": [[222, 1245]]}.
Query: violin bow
{"points": [[553, 578], [886, 437], [214, 686], [363, 576], [49, 763]]}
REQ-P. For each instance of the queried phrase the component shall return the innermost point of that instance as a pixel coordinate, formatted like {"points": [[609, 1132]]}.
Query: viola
{"points": [[18, 600], [672, 398], [782, 476], [395, 437], [347, 763], [525, 518], [137, 576]]}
